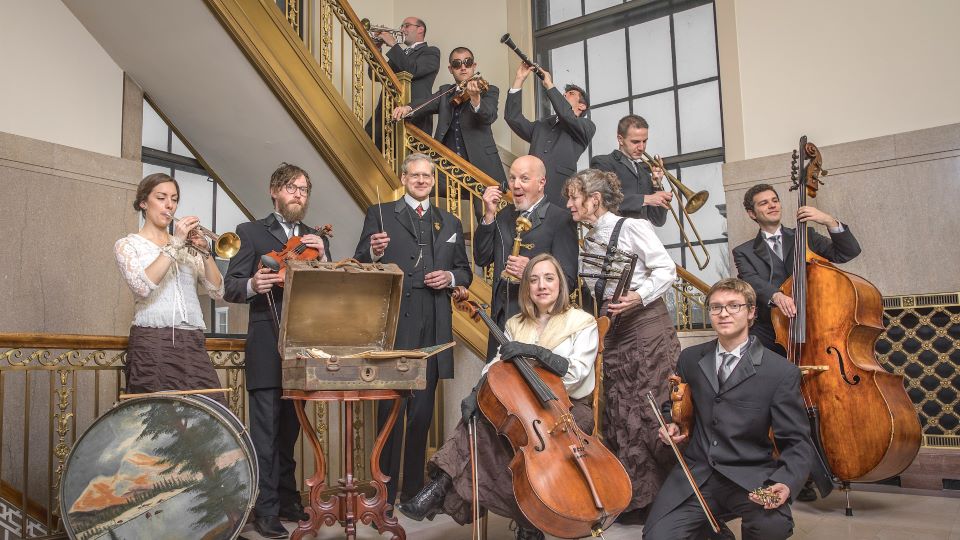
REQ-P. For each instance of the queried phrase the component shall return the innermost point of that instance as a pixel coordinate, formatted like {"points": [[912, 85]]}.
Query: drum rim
{"points": [[242, 435]]}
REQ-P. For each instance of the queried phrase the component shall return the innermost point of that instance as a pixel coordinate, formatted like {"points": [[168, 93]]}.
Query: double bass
{"points": [[567, 483], [863, 424]]}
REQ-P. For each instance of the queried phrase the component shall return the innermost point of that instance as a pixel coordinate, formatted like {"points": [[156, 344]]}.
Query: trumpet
{"points": [[374, 29], [695, 201], [225, 245]]}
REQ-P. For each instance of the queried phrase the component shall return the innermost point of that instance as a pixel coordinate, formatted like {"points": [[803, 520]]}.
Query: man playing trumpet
{"points": [[551, 231]]}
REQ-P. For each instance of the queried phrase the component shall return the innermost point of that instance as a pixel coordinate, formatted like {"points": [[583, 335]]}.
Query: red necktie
{"points": [[420, 211]]}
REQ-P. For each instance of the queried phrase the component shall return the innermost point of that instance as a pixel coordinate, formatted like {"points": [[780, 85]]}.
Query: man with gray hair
{"points": [[426, 242]]}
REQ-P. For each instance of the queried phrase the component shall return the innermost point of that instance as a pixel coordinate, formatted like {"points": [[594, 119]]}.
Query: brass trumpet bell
{"points": [[227, 245]]}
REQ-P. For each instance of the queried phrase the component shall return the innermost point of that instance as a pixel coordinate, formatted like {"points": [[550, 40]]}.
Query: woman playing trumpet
{"points": [[166, 348], [641, 350]]}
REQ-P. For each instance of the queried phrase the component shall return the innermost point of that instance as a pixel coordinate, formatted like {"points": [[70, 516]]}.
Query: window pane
{"points": [[562, 10], [708, 220], [651, 63], [584, 161], [658, 110], [177, 147], [669, 233], [154, 129], [718, 267], [700, 117], [696, 44], [567, 65], [149, 169], [606, 55], [196, 197], [596, 5], [229, 214], [606, 118]]}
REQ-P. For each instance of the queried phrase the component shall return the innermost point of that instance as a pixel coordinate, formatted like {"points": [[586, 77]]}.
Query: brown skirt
{"points": [[157, 361], [637, 358], [493, 468]]}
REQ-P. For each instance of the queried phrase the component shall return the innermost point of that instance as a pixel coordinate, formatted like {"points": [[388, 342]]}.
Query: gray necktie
{"points": [[776, 245], [726, 366]]}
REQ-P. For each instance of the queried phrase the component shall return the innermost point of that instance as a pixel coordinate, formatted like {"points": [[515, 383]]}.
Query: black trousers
{"points": [[274, 429], [765, 333], [411, 455], [724, 497]]}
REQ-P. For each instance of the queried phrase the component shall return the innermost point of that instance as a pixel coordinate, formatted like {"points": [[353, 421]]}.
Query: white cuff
{"points": [[250, 292]]}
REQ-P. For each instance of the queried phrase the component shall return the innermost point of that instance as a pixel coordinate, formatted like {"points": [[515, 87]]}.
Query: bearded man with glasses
{"points": [[465, 128], [740, 392], [273, 422]]}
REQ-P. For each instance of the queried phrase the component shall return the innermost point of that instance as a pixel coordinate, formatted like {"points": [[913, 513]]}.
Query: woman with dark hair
{"points": [[563, 340], [166, 348], [641, 349]]}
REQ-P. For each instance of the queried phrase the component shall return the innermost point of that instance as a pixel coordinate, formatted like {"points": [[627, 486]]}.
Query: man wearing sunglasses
{"points": [[559, 139], [465, 128], [740, 392], [420, 60], [273, 422]]}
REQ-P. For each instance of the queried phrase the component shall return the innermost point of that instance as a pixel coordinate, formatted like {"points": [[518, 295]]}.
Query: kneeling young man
{"points": [[740, 391]]}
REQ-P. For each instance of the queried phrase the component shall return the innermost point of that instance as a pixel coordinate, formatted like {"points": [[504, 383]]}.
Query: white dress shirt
{"points": [[737, 352], [655, 271], [413, 204]]}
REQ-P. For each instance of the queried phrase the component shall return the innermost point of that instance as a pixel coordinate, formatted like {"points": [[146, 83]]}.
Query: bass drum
{"points": [[160, 467]]}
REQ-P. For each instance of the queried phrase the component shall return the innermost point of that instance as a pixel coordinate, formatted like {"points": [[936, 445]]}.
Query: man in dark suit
{"points": [[465, 128], [767, 261], [552, 231], [420, 60], [740, 391], [559, 139], [427, 243], [643, 194], [273, 422]]}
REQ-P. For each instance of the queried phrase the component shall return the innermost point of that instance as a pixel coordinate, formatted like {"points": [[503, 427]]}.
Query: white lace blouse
{"points": [[171, 303]]}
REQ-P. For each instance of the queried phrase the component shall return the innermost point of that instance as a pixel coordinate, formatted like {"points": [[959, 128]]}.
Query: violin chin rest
{"points": [[270, 262]]}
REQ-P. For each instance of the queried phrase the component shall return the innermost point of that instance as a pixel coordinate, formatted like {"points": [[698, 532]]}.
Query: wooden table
{"points": [[347, 506]]}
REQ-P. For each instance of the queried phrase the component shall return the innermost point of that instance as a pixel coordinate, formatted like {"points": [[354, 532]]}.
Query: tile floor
{"points": [[887, 514]]}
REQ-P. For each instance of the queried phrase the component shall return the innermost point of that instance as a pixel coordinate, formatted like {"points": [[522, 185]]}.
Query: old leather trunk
{"points": [[349, 311]]}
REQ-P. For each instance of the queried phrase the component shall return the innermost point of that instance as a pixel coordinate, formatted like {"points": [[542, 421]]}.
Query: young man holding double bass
{"points": [[740, 391]]}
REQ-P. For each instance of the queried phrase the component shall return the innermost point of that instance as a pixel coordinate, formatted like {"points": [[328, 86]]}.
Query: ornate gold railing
{"points": [[688, 301], [53, 386]]}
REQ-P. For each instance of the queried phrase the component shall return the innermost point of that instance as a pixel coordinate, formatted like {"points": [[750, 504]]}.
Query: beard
{"points": [[293, 214]]}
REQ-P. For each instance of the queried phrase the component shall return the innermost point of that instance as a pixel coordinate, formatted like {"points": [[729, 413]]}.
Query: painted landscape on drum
{"points": [[163, 469]]}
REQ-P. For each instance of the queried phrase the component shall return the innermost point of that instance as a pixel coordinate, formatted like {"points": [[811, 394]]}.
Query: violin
{"points": [[567, 483], [681, 409], [294, 250], [460, 94]]}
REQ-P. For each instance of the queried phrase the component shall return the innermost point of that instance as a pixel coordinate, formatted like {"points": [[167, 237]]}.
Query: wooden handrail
{"points": [[348, 11], [83, 341], [693, 280]]}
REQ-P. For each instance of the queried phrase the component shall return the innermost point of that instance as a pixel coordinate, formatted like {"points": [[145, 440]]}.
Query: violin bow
{"points": [[683, 464]]}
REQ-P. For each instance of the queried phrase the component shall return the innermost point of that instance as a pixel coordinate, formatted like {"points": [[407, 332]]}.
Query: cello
{"points": [[863, 424], [567, 483]]}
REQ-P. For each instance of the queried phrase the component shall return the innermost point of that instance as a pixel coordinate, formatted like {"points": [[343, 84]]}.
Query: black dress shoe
{"points": [[807, 493], [524, 533], [293, 512], [270, 527], [429, 502], [724, 534]]}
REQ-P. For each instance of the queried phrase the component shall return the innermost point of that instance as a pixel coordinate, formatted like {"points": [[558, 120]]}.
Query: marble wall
{"points": [[898, 193]]}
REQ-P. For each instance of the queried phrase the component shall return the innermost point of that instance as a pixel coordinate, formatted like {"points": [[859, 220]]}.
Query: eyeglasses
{"points": [[293, 188], [406, 24], [456, 63], [733, 309]]}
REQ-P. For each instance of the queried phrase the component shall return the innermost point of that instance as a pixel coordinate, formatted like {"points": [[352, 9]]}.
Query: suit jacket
{"points": [[558, 140], [757, 265], [634, 185], [423, 63], [475, 128], [258, 238], [402, 251], [732, 423], [553, 231]]}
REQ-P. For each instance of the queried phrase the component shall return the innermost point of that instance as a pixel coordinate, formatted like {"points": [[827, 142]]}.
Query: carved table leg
{"points": [[375, 509], [321, 512]]}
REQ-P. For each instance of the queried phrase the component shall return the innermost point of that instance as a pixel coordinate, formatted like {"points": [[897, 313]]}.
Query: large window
{"points": [[201, 196], [657, 59]]}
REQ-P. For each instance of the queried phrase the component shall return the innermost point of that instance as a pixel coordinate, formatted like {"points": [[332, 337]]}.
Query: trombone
{"points": [[374, 29], [694, 202], [225, 245]]}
